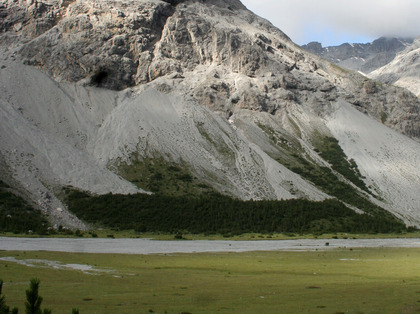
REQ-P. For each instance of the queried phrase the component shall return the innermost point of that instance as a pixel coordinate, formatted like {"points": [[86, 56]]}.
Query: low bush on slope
{"points": [[160, 176], [330, 150], [17, 216], [215, 213]]}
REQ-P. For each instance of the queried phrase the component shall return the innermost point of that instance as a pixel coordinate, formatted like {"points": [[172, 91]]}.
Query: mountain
{"points": [[387, 60], [189, 97], [361, 57], [404, 70]]}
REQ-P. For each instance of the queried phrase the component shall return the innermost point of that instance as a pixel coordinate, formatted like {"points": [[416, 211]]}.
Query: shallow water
{"points": [[147, 246], [42, 263]]}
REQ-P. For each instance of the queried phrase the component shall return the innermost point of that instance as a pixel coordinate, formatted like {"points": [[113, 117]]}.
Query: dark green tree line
{"points": [[215, 213]]}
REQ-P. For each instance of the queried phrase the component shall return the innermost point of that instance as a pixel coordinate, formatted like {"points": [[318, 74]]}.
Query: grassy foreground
{"points": [[338, 281]]}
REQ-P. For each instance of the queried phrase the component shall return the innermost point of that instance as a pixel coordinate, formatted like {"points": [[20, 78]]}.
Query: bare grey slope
{"points": [[86, 86], [42, 137]]}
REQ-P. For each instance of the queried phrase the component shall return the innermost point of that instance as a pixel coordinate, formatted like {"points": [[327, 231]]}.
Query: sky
{"points": [[333, 22]]}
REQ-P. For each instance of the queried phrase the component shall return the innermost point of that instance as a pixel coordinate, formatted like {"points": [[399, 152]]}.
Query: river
{"points": [[148, 246]]}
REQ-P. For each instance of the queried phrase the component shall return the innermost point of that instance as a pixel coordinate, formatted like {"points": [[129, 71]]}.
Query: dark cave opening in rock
{"points": [[99, 78]]}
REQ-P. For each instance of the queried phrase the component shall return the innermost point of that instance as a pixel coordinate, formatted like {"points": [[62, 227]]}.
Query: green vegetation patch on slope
{"points": [[329, 149], [160, 176], [215, 213], [17, 216], [292, 155], [217, 143], [328, 182], [287, 146]]}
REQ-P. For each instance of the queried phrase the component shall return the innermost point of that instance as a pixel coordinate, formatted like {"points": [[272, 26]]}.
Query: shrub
{"points": [[17, 216]]}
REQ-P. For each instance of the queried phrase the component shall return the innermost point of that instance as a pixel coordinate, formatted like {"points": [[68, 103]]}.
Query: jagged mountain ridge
{"points": [[404, 70], [387, 60], [206, 84], [364, 58]]}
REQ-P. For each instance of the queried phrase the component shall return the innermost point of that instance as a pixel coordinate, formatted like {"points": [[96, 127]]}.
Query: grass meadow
{"points": [[336, 281]]}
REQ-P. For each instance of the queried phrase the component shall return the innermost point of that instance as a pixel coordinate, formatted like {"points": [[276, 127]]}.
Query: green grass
{"points": [[338, 281], [160, 176]]}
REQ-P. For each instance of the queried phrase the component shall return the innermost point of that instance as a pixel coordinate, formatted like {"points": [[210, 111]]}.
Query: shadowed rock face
{"points": [[174, 2], [207, 83]]}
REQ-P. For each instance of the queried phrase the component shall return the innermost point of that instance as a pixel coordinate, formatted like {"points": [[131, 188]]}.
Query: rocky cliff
{"points": [[92, 88]]}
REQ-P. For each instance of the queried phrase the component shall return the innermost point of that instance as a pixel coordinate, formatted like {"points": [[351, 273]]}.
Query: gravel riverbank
{"points": [[148, 246]]}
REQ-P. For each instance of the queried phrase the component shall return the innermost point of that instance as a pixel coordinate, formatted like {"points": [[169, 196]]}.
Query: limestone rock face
{"points": [[202, 82], [105, 43]]}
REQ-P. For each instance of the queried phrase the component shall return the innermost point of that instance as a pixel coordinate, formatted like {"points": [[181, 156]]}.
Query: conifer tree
{"points": [[33, 300], [4, 309]]}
